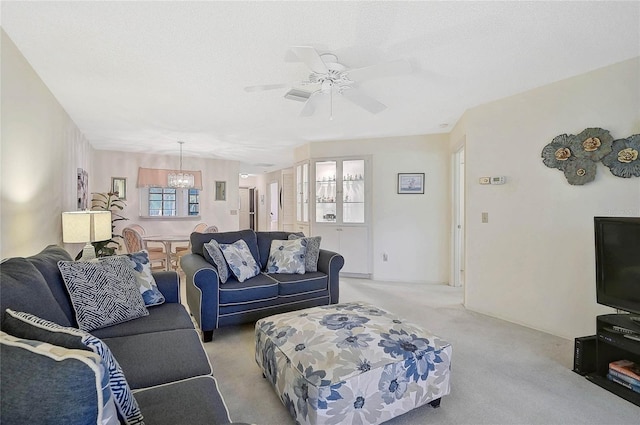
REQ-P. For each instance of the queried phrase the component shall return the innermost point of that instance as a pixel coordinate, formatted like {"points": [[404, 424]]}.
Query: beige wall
{"points": [[412, 229], [109, 164], [41, 150], [533, 263]]}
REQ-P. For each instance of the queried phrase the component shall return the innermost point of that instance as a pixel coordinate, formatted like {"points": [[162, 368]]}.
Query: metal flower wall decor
{"points": [[577, 156]]}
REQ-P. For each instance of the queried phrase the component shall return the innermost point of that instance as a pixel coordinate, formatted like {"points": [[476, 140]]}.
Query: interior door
{"points": [[458, 238], [274, 201], [245, 208]]}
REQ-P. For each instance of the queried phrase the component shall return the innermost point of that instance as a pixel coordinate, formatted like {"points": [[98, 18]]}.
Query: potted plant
{"points": [[107, 202]]}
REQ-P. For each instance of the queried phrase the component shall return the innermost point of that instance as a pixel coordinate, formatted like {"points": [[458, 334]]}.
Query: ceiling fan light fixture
{"points": [[299, 95]]}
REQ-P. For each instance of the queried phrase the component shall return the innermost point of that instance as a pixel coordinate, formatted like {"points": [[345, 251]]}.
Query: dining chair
{"points": [[184, 250], [134, 243], [138, 228]]}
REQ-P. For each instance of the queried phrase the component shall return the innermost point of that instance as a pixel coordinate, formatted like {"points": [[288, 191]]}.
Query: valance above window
{"points": [[156, 177]]}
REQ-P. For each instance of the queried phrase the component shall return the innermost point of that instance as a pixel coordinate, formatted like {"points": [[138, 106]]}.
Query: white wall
{"points": [[109, 164], [41, 150], [534, 262], [412, 229]]}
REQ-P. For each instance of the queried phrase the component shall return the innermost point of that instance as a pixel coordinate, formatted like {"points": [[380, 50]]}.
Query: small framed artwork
{"points": [[119, 187], [221, 191], [411, 183], [83, 190]]}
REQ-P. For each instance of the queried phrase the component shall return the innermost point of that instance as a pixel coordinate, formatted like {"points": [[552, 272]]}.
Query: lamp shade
{"points": [[86, 226]]}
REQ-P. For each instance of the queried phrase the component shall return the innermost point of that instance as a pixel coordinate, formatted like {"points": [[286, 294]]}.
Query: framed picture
{"points": [[119, 187], [221, 191], [83, 190], [411, 183]]}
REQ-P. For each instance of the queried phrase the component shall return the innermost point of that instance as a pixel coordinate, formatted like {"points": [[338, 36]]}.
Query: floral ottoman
{"points": [[351, 363]]}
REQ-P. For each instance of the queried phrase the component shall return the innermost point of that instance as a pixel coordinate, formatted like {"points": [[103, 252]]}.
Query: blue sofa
{"points": [[215, 305], [161, 354]]}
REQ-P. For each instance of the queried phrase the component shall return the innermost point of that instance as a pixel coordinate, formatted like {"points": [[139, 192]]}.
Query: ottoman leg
{"points": [[435, 403]]}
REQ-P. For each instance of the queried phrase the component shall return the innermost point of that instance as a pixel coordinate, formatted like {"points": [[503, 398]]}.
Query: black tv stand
{"points": [[612, 345]]}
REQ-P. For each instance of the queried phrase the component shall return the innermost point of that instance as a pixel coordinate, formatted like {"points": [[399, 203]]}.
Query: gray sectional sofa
{"points": [[160, 354], [214, 304]]}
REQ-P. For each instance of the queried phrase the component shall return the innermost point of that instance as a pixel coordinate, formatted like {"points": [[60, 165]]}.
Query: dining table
{"points": [[167, 241]]}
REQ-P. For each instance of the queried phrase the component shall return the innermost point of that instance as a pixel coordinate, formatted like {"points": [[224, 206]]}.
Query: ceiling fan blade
{"points": [[386, 69], [310, 105], [364, 101], [311, 58], [265, 87]]}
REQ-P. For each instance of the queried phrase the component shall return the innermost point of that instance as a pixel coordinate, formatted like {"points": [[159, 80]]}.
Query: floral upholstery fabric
{"points": [[351, 363], [241, 262], [287, 257]]}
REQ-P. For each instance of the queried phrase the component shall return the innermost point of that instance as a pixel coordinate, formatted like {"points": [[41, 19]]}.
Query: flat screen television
{"points": [[618, 262]]}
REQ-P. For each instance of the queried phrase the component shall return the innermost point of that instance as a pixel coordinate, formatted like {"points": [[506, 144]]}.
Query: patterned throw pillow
{"points": [[214, 251], [286, 256], [312, 253], [146, 283], [103, 292], [28, 326], [240, 260], [29, 366]]}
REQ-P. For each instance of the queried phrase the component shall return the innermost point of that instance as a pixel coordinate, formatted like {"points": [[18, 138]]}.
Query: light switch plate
{"points": [[485, 180]]}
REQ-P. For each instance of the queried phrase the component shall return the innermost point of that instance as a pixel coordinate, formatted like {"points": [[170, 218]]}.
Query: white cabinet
{"points": [[340, 210], [302, 197], [340, 191], [352, 242]]}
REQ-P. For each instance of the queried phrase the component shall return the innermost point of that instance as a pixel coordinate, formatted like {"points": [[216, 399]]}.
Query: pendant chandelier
{"points": [[181, 179]]}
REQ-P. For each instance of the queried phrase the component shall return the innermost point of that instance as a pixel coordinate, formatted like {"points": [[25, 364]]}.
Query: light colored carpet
{"points": [[502, 373]]}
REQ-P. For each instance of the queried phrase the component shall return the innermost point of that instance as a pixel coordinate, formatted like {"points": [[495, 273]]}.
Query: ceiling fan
{"points": [[328, 76]]}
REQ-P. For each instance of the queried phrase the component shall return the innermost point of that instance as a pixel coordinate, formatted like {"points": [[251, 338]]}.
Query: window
{"points": [[158, 202], [194, 202]]}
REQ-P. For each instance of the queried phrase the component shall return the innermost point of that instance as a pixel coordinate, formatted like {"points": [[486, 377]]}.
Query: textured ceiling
{"points": [[139, 76]]}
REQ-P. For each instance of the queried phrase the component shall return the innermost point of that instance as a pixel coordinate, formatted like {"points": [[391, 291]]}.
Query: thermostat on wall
{"points": [[498, 180]]}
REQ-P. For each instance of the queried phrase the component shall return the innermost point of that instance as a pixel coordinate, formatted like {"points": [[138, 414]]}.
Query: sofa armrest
{"points": [[169, 284], [202, 287], [331, 263]]}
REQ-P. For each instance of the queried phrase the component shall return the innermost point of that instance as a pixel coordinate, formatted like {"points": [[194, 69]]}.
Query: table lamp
{"points": [[86, 227]]}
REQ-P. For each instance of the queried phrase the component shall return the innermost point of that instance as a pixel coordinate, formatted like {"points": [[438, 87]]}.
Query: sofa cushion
{"points": [[249, 236], [164, 317], [264, 240], [312, 253], [216, 257], [28, 326], [287, 256], [241, 262], [159, 403], [260, 287], [46, 384], [21, 284], [297, 284], [46, 261], [160, 357], [151, 295], [103, 292]]}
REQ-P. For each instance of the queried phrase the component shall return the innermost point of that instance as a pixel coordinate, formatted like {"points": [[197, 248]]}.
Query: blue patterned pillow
{"points": [[240, 260], [103, 292], [28, 326], [287, 256], [146, 283], [79, 376], [213, 249], [312, 253]]}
